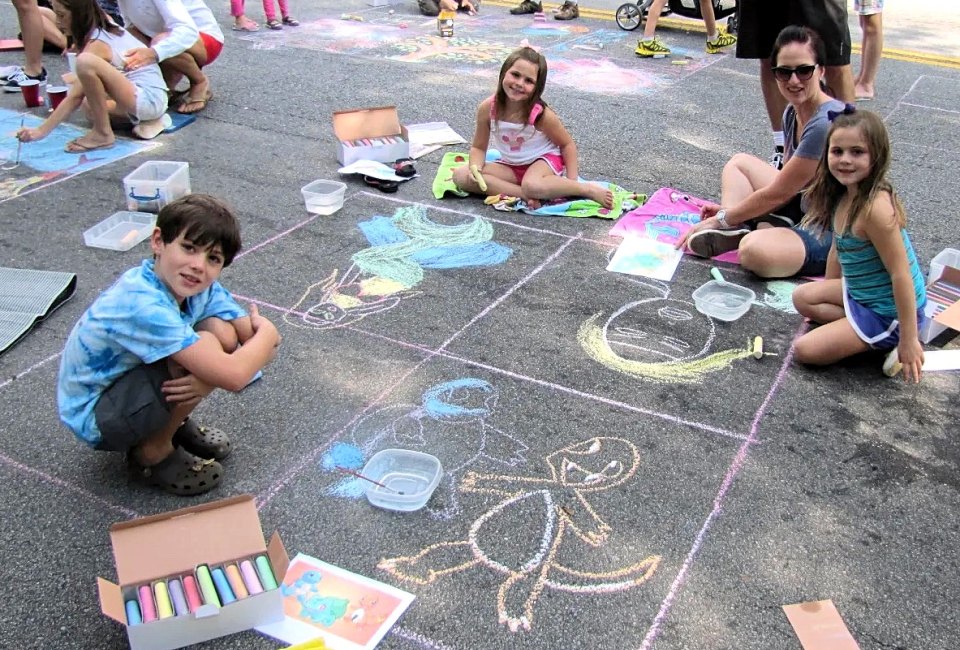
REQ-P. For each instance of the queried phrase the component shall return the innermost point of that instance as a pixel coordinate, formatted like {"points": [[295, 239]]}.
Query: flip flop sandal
{"points": [[290, 20], [404, 167], [205, 442], [274, 24], [388, 187], [181, 473]]}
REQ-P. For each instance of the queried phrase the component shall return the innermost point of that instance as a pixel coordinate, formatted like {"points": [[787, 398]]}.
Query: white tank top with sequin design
{"points": [[520, 144]]}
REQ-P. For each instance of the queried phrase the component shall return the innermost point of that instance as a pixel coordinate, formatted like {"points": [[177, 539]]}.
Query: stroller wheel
{"points": [[629, 16]]}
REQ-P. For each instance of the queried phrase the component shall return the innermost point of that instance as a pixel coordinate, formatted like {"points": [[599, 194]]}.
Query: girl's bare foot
{"points": [[600, 194]]}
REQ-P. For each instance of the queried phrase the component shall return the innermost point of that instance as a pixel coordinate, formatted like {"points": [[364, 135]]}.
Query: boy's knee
{"points": [[221, 330]]}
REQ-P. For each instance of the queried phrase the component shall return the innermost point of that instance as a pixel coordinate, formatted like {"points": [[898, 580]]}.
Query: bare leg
{"points": [[821, 302], [828, 344], [187, 64], [31, 27], [52, 33], [102, 83], [872, 48], [541, 183], [840, 81], [772, 252], [772, 98], [709, 18], [742, 176], [499, 179], [653, 16]]}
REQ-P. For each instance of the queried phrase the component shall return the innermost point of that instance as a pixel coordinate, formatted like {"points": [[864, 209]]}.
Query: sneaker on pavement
{"points": [[710, 243], [652, 48], [776, 159], [568, 11], [14, 79], [722, 40], [527, 7]]}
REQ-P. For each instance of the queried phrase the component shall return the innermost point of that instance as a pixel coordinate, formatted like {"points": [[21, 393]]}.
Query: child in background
{"points": [[538, 157], [434, 7], [102, 85], [871, 46], [157, 342], [651, 46], [874, 294], [272, 21]]}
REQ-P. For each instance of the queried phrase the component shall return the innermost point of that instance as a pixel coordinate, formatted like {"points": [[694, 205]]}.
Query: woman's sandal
{"points": [[404, 167], [181, 473], [274, 24], [290, 20], [204, 442]]}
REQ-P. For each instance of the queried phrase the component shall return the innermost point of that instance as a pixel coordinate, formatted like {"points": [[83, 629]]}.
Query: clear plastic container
{"points": [[121, 231], [409, 477], [946, 257], [323, 197], [723, 300], [154, 184]]}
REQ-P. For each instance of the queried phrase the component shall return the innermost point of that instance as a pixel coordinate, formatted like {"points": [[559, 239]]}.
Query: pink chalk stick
{"points": [[192, 592], [147, 607]]}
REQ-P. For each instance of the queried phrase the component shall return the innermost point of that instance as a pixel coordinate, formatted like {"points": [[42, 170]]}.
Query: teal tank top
{"points": [[867, 279]]}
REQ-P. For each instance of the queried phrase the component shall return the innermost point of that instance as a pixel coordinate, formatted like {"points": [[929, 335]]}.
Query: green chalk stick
{"points": [[265, 573], [715, 272], [206, 586]]}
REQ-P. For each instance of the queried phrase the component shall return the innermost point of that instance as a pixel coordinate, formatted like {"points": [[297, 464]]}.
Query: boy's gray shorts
{"points": [[133, 408]]}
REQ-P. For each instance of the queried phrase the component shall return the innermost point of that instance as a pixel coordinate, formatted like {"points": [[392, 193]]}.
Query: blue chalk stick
{"points": [[133, 613], [223, 586]]}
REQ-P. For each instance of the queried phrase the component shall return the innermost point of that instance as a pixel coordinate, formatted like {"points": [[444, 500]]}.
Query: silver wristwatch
{"points": [[722, 218]]}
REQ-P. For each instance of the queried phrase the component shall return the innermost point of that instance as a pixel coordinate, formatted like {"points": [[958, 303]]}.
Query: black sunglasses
{"points": [[803, 72]]}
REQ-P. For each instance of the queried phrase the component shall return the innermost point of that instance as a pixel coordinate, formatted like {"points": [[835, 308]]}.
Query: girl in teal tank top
{"points": [[873, 295]]}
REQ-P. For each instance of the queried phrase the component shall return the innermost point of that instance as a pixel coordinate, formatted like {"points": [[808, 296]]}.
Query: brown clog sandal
{"points": [[205, 442], [181, 473]]}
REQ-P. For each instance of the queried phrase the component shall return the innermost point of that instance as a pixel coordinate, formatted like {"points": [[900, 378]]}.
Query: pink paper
{"points": [[819, 627], [665, 217]]}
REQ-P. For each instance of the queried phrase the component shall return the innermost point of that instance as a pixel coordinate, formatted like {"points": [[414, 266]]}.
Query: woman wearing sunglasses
{"points": [[760, 207]]}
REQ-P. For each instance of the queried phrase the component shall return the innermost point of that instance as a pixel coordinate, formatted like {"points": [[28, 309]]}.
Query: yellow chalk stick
{"points": [[758, 347], [164, 608], [892, 365], [477, 176]]}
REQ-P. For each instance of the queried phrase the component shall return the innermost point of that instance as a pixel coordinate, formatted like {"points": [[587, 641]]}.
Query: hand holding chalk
{"points": [[478, 177]]}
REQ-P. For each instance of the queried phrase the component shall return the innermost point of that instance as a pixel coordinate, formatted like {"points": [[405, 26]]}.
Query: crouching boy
{"points": [[153, 345]]}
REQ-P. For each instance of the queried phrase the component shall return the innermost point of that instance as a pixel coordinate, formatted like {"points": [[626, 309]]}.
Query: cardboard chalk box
{"points": [[172, 545], [370, 134], [943, 306]]}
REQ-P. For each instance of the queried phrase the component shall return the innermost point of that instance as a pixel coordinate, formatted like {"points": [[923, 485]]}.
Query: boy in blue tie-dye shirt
{"points": [[153, 345]]}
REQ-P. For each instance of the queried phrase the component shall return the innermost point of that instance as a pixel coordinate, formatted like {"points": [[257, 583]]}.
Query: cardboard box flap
{"points": [[111, 601], [278, 557], [366, 123], [175, 542]]}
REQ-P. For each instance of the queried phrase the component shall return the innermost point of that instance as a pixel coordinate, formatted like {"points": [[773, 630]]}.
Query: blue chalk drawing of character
{"points": [[534, 534], [401, 247], [314, 606], [451, 422]]}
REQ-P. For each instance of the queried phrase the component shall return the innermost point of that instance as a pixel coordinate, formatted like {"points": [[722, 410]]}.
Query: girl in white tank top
{"points": [[538, 158], [102, 86]]}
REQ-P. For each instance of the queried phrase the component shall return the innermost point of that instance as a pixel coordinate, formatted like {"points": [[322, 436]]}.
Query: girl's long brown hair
{"points": [[537, 59], [85, 16], [825, 192]]}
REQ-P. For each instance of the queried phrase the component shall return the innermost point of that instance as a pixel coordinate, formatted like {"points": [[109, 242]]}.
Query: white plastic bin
{"points": [[946, 257], [120, 231], [154, 184], [323, 197]]}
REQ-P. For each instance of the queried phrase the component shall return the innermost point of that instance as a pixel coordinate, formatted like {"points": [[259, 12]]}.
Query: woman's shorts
{"points": [[151, 104], [133, 408], [213, 47], [868, 7], [762, 20], [816, 248], [879, 332], [554, 160]]}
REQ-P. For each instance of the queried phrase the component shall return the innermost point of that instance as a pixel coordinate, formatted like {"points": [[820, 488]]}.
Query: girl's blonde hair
{"points": [[825, 192]]}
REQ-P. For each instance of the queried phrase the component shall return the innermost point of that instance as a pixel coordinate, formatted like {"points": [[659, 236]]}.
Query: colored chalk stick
{"points": [[147, 607], [164, 607], [236, 582], [207, 590], [175, 588], [133, 613], [250, 577], [223, 587], [265, 573], [193, 593]]}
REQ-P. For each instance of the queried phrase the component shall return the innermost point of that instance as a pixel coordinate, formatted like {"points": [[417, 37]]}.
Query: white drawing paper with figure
{"points": [[647, 257], [348, 611]]}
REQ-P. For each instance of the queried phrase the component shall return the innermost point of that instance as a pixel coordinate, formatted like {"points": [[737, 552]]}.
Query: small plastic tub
{"points": [[409, 477], [121, 231], [156, 183], [723, 300], [323, 197], [946, 257]]}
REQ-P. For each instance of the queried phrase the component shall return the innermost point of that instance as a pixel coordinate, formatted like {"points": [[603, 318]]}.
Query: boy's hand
{"points": [[186, 390], [262, 323]]}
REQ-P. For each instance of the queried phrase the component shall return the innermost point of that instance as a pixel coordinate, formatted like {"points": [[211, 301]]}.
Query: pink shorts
{"points": [[555, 161], [213, 47]]}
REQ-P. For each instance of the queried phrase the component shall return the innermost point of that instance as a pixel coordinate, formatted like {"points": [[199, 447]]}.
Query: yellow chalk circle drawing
{"points": [[660, 339], [547, 508]]}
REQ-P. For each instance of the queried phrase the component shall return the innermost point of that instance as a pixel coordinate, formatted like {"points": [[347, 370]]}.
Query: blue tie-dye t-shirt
{"points": [[136, 321]]}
